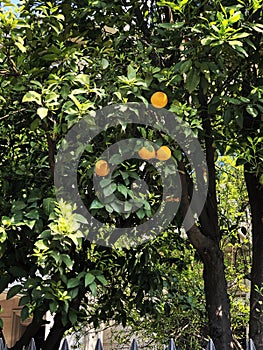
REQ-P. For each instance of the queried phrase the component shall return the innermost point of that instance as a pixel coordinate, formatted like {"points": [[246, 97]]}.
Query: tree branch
{"points": [[196, 237], [209, 215]]}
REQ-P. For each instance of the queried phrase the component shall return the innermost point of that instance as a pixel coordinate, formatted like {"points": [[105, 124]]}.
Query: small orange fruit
{"points": [[163, 153], [159, 99], [102, 168], [147, 152]]}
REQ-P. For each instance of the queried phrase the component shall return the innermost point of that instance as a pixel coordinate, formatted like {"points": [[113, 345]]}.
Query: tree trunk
{"points": [[206, 241], [217, 301], [255, 194], [56, 334], [205, 238], [31, 329], [58, 329]]}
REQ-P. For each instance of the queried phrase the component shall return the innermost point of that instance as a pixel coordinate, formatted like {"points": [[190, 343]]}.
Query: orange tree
{"points": [[46, 86], [62, 60]]}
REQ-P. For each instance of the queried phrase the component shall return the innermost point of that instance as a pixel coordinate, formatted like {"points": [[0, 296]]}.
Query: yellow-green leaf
{"points": [[42, 112], [32, 96]]}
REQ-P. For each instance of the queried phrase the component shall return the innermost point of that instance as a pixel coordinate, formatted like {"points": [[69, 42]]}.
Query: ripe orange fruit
{"points": [[163, 153], [147, 153], [102, 168], [159, 99]]}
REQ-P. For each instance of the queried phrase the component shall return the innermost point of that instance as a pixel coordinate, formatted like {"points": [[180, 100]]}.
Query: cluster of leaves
{"points": [[133, 204], [51, 77], [180, 313], [235, 224], [59, 61], [57, 279]]}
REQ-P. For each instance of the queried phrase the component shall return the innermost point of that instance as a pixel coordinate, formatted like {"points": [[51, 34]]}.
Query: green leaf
{"points": [[33, 214], [73, 316], [109, 208], [24, 313], [78, 91], [185, 66], [173, 6], [18, 206], [131, 73], [235, 43], [116, 207], [258, 27], [13, 291], [35, 195], [192, 80], [241, 50], [53, 306], [4, 282], [252, 111], [56, 256], [93, 288], [107, 191], [75, 100], [49, 205], [234, 101], [30, 223], [24, 300], [177, 154], [244, 99], [64, 318], [102, 279], [116, 159], [240, 120], [21, 47], [96, 204], [207, 40], [73, 293], [41, 245], [72, 282], [32, 96], [89, 278], [123, 190], [45, 234], [3, 238], [176, 25], [104, 63], [236, 17], [240, 35], [227, 115], [67, 260], [83, 78], [105, 182], [50, 57], [80, 218], [128, 207], [42, 112], [140, 213]]}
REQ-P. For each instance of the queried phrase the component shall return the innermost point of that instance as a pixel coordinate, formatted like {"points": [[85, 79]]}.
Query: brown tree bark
{"points": [[217, 301], [58, 330], [31, 329], [56, 334], [206, 238]]}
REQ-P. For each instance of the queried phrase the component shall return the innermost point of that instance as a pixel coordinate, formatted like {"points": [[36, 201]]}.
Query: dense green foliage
{"points": [[61, 60]]}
